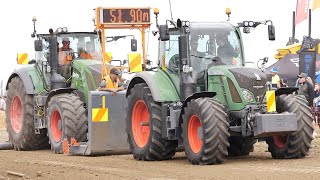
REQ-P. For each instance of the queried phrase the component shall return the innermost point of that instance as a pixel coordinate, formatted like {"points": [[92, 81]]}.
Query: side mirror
{"points": [[271, 32], [38, 45], [164, 33], [133, 45]]}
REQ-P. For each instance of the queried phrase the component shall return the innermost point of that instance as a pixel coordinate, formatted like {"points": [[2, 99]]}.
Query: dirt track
{"points": [[259, 165]]}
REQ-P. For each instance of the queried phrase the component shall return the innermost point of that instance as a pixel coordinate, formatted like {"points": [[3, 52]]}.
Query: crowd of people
{"points": [[306, 88]]}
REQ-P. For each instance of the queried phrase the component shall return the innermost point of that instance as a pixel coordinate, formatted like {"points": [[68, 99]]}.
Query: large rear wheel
{"points": [[205, 132], [66, 119], [20, 119], [297, 144], [144, 126]]}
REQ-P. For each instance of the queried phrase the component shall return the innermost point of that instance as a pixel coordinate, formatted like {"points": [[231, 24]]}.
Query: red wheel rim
{"points": [[194, 140], [280, 141], [140, 115], [16, 113], [55, 130]]}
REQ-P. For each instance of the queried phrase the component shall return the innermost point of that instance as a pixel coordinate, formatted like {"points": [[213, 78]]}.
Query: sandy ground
{"points": [[258, 165]]}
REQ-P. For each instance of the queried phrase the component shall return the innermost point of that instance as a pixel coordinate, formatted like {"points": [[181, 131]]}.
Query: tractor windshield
{"points": [[214, 44], [81, 45]]}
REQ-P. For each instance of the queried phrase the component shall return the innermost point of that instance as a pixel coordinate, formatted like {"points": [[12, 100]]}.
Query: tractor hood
{"points": [[240, 85], [92, 71], [251, 79]]}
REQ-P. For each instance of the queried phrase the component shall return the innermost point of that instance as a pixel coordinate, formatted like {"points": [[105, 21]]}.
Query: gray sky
{"points": [[77, 15]]}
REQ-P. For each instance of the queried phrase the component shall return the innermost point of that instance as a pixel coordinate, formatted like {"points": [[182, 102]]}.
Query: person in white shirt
{"points": [[2, 104]]}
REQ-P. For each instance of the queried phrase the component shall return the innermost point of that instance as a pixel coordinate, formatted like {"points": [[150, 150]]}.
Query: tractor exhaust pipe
{"points": [[293, 25], [57, 81], [293, 39], [187, 85], [309, 28]]}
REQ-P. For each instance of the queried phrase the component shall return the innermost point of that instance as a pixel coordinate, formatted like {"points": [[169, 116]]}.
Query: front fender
{"points": [[161, 86], [58, 91]]}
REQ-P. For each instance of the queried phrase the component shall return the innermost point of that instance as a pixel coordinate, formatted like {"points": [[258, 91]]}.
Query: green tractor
{"points": [[53, 100], [39, 96], [204, 100]]}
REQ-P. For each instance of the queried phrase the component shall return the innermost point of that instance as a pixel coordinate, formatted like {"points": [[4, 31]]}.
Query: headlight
{"points": [[64, 29], [59, 30], [248, 96]]}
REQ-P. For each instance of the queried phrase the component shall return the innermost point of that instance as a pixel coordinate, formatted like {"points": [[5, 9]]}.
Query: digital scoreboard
{"points": [[125, 16]]}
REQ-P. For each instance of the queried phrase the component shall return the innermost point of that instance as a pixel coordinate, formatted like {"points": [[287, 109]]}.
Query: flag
{"points": [[315, 4], [302, 10]]}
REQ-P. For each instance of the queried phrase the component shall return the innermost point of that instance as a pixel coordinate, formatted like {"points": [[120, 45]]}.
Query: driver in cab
{"points": [[111, 82], [66, 54], [226, 52]]}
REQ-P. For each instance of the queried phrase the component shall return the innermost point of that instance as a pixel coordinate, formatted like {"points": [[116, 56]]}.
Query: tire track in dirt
{"points": [[300, 170]]}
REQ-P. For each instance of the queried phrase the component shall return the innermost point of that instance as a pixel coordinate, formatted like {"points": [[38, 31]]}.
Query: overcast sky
{"points": [[16, 24]]}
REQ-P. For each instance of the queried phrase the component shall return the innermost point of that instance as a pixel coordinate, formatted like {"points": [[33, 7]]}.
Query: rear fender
{"points": [[285, 90], [26, 80], [31, 78]]}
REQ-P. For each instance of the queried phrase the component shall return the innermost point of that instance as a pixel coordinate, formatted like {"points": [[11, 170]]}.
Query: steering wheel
{"points": [[174, 63], [210, 60]]}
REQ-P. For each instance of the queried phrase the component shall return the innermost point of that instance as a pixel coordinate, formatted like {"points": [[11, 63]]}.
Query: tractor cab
{"points": [[210, 44], [80, 45]]}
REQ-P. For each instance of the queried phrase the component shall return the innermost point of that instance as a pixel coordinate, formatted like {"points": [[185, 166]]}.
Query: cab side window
{"points": [[172, 54]]}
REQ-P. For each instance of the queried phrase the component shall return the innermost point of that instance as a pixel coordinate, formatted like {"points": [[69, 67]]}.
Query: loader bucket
{"points": [[106, 126]]}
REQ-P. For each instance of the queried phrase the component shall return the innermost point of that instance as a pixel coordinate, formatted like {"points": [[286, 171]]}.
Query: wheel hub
{"points": [[280, 141], [56, 125], [16, 114], [140, 123], [195, 134]]}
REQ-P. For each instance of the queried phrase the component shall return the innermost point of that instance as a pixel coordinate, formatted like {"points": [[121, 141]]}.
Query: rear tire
{"points": [[240, 146], [66, 119], [20, 119], [205, 117], [297, 144], [146, 142]]}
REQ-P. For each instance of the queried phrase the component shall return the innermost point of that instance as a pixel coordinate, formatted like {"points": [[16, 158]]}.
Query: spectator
{"points": [[275, 77], [316, 103], [305, 88], [284, 83], [2, 104]]}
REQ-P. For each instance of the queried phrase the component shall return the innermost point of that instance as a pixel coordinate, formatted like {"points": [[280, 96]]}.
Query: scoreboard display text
{"points": [[126, 16]]}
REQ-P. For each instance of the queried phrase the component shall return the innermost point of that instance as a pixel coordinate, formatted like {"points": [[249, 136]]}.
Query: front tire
{"points": [[144, 127], [206, 118], [297, 144], [20, 119], [66, 119]]}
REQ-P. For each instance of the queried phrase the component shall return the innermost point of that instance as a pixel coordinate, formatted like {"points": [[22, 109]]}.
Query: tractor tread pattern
{"points": [[157, 148], [215, 127], [299, 142], [26, 139], [75, 118]]}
